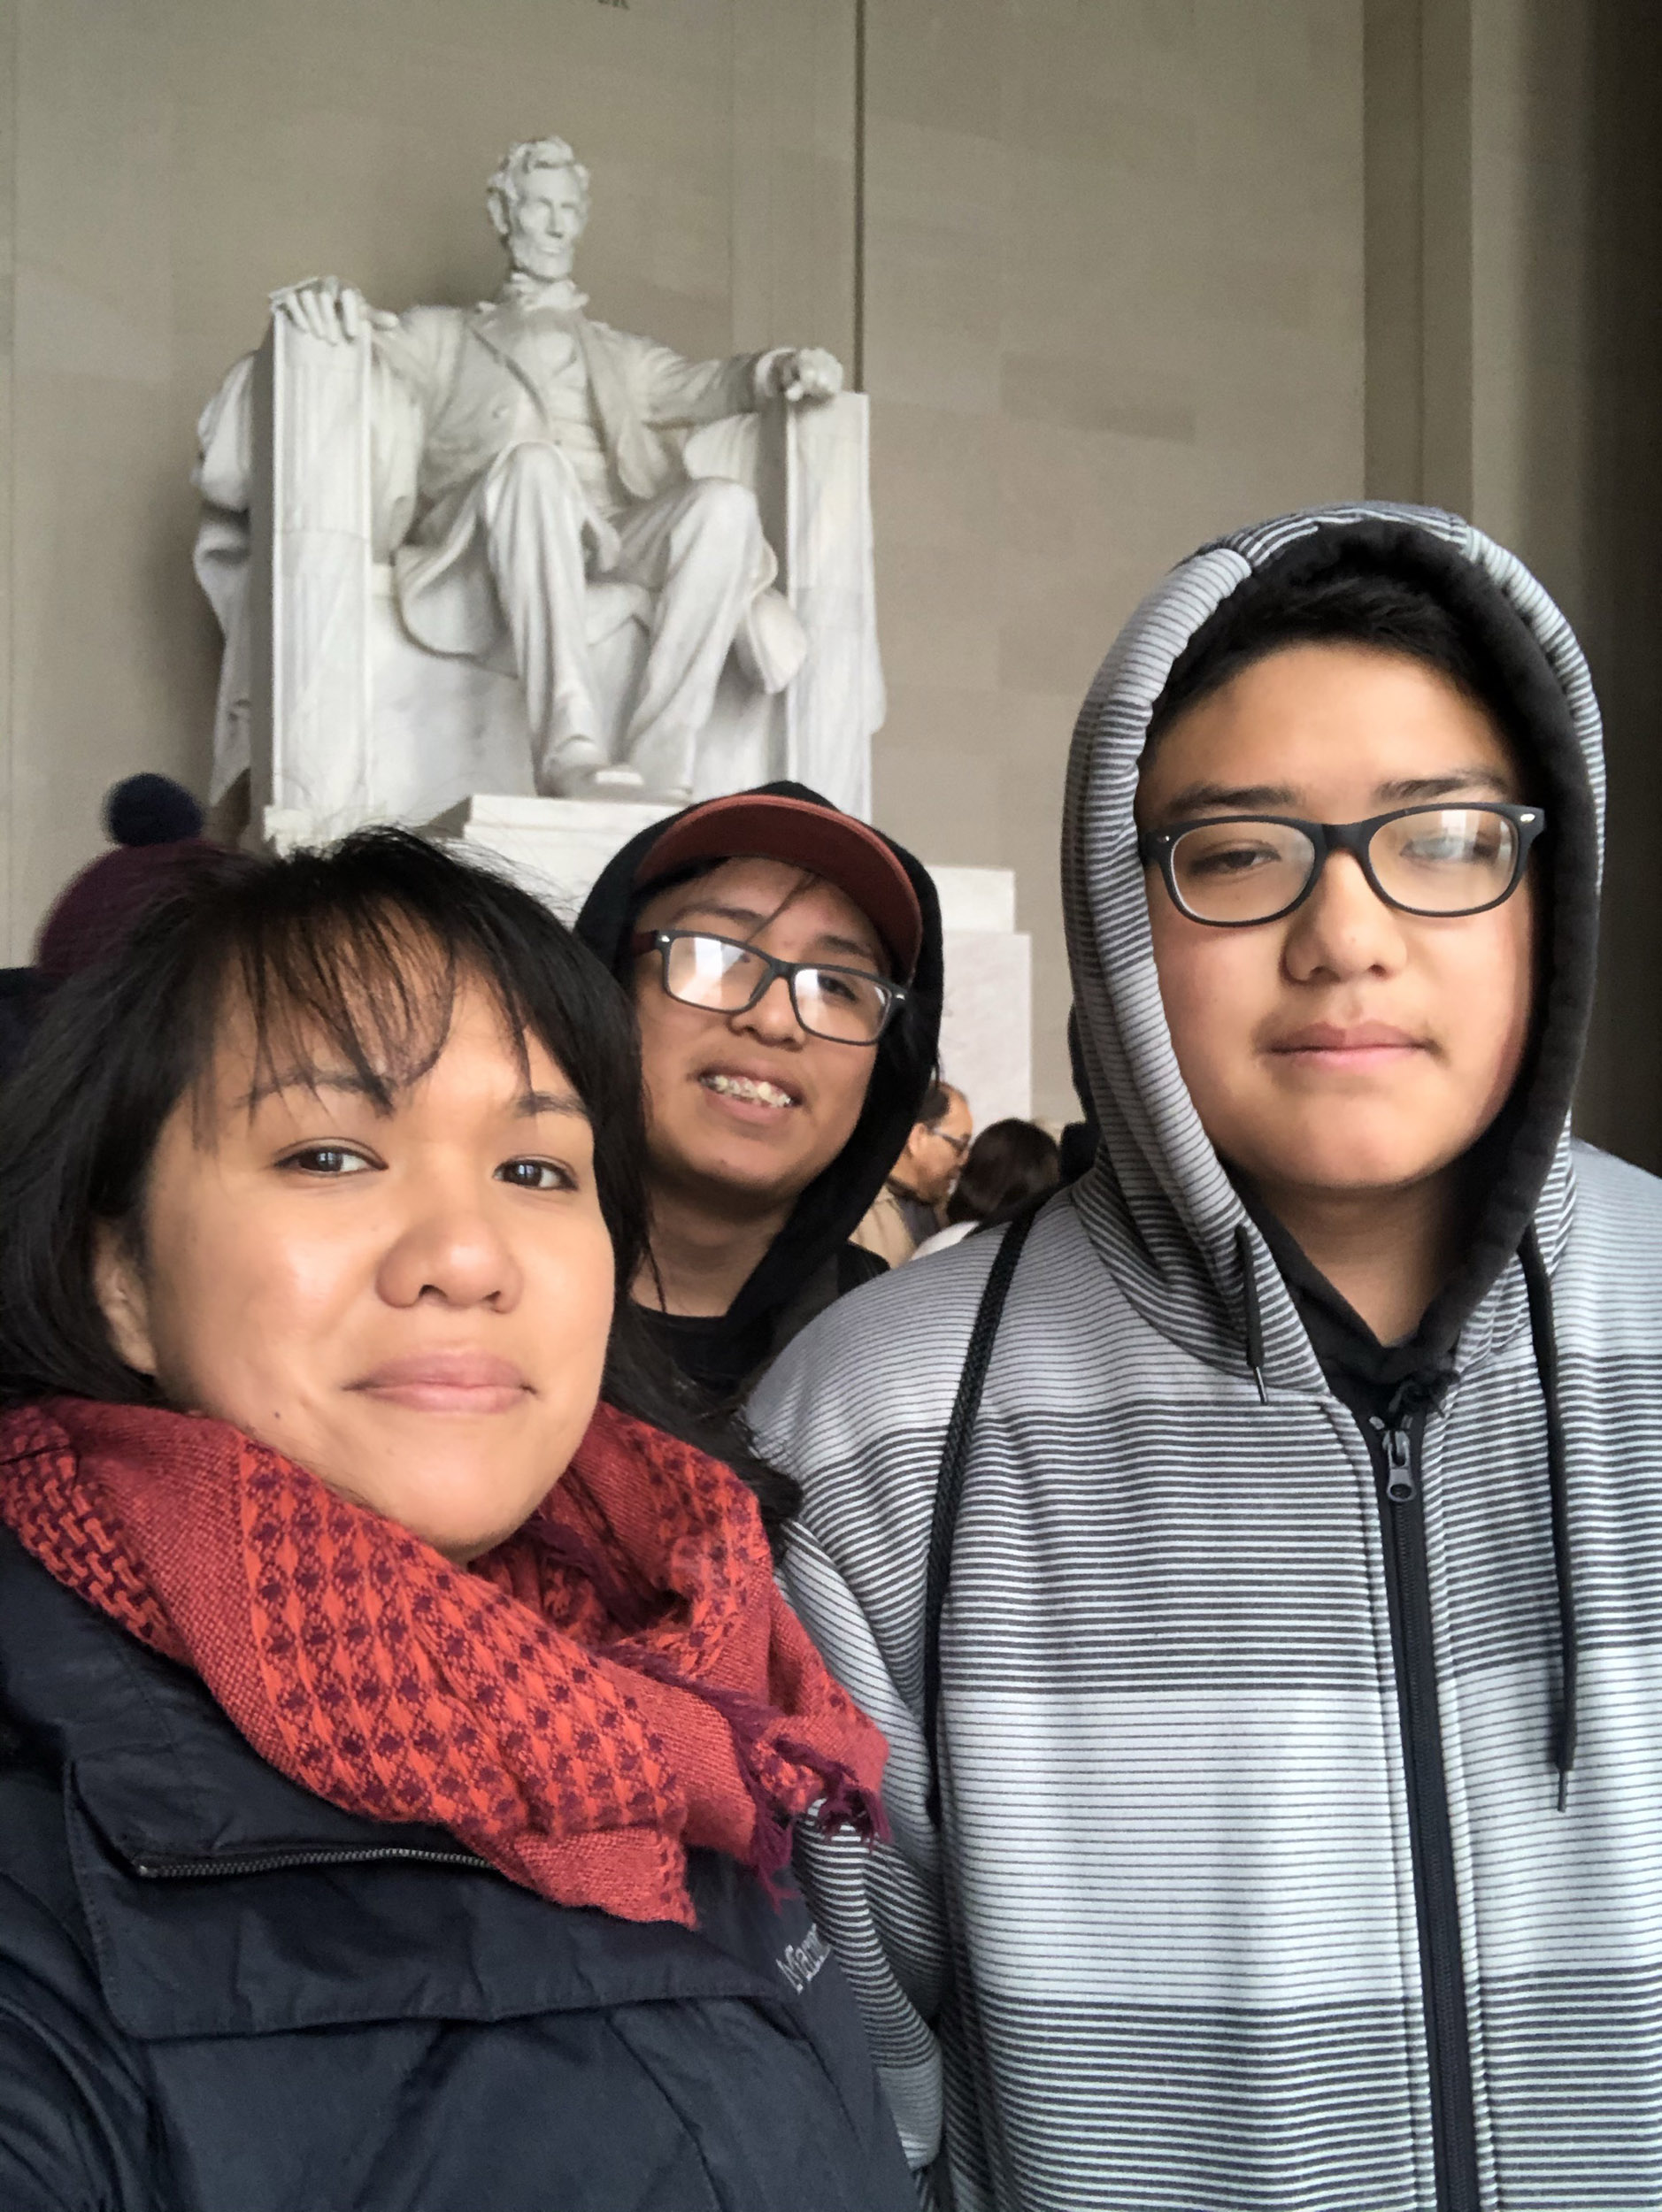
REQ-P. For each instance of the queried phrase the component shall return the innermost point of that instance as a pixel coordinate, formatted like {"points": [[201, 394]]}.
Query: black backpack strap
{"points": [[948, 1489]]}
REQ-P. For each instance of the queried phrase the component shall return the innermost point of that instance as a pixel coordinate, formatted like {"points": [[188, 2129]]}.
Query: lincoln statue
{"points": [[543, 456]]}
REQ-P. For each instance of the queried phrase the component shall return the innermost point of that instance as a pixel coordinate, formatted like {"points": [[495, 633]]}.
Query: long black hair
{"points": [[361, 949]]}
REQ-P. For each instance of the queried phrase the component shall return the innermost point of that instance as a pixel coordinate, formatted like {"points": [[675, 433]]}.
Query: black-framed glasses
{"points": [[960, 1145], [850, 1006], [1236, 870]]}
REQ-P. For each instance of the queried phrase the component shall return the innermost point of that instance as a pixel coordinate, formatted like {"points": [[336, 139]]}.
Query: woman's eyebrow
{"points": [[530, 1103], [525, 1106], [315, 1079]]}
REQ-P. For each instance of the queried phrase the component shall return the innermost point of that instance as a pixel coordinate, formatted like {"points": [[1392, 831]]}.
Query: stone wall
{"points": [[1112, 303], [1113, 306], [1515, 372]]}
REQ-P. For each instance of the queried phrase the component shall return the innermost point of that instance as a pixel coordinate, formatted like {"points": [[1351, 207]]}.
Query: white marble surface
{"points": [[975, 898], [987, 1024], [310, 719], [556, 847]]}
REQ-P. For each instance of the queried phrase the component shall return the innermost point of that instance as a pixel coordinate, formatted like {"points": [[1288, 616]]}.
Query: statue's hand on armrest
{"points": [[325, 308], [806, 372]]}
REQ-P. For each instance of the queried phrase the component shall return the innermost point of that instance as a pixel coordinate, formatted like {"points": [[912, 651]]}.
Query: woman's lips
{"points": [[447, 1382]]}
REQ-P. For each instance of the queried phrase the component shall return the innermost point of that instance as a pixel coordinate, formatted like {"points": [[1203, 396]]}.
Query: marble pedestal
{"points": [[558, 847]]}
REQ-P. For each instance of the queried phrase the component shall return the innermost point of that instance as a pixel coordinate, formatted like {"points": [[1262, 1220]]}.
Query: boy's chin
{"points": [[1355, 1163]]}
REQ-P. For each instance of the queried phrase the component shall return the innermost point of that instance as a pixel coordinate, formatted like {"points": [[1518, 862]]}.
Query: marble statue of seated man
{"points": [[523, 451]]}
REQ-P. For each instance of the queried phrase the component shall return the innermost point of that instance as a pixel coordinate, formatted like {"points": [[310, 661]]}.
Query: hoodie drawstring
{"points": [[1254, 1317], [1544, 1336]]}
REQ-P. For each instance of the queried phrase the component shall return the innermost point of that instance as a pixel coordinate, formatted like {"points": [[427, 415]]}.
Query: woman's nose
{"points": [[451, 1252]]}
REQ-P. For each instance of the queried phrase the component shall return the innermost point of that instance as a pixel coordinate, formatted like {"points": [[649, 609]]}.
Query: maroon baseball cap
{"points": [[758, 826]]}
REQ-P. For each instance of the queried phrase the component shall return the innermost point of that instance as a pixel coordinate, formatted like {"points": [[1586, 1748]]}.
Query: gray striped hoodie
{"points": [[1253, 1887]]}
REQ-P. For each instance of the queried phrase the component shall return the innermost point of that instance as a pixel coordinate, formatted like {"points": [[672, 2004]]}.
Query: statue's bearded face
{"points": [[545, 223]]}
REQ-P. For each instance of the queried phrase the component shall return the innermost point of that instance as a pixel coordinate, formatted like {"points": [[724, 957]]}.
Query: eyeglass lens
{"points": [[1436, 860], [835, 1003]]}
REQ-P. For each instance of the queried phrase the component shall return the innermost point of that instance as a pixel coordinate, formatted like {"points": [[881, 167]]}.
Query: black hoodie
{"points": [[810, 1261]]}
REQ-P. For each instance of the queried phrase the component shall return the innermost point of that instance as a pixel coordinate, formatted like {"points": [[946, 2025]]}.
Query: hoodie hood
{"points": [[831, 1208], [1159, 1199]]}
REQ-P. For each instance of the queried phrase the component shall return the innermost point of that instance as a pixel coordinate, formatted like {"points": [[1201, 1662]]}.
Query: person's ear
{"points": [[117, 1283]]}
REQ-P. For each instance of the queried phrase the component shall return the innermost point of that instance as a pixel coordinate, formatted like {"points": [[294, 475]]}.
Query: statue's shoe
{"points": [[581, 770], [577, 782]]}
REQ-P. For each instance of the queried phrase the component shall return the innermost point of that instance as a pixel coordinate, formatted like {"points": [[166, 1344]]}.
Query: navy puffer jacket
{"points": [[218, 1993]]}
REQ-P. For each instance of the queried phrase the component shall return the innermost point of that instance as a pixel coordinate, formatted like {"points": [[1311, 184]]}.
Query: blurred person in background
{"points": [[1011, 1163], [785, 963], [155, 827], [911, 1206]]}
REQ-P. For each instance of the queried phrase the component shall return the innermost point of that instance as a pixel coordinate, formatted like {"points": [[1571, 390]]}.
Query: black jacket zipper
{"points": [[322, 1854], [1396, 1454]]}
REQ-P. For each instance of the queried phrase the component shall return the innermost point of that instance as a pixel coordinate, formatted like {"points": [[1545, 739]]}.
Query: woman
{"points": [[1010, 1165], [402, 1735]]}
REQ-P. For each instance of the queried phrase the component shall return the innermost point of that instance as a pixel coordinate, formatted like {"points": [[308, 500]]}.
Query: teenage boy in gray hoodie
{"points": [[1273, 1658]]}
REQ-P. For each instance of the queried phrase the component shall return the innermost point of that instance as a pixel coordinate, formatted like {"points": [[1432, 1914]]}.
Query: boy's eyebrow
{"points": [[1408, 790], [1243, 798], [1265, 798]]}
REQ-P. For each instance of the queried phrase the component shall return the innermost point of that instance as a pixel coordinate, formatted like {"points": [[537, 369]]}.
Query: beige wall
{"points": [[1514, 352], [1113, 307], [1114, 304]]}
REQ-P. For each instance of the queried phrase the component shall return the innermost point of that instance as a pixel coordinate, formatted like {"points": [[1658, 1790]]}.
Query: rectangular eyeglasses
{"points": [[1237, 870], [848, 1005]]}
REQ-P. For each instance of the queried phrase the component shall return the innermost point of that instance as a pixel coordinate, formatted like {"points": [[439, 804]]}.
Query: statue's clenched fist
{"points": [[806, 372]]}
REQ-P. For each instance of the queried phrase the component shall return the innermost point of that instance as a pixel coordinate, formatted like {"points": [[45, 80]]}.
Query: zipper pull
{"points": [[1400, 1473]]}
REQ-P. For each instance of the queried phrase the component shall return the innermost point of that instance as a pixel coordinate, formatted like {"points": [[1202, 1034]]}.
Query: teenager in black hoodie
{"points": [[773, 1123]]}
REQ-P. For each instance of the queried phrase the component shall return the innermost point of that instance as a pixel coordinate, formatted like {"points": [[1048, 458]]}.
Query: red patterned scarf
{"points": [[620, 1680]]}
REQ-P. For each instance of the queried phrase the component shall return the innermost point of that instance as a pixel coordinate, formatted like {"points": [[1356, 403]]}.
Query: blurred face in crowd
{"points": [[412, 1301], [745, 1108], [935, 1152], [1348, 1045]]}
